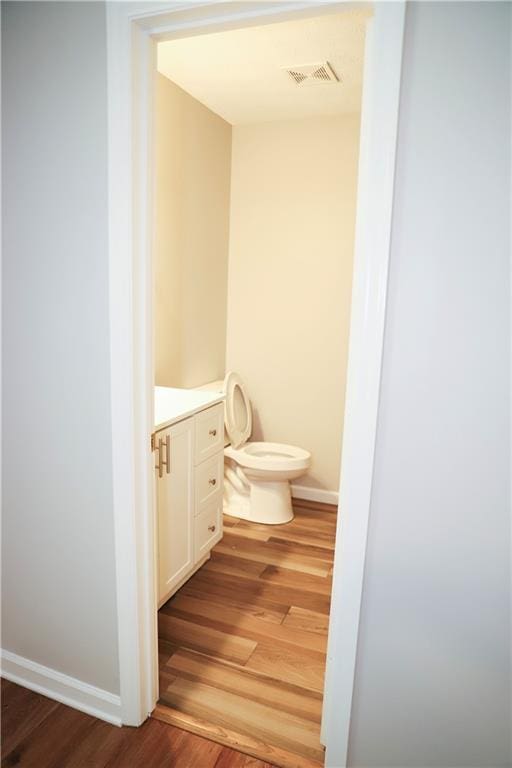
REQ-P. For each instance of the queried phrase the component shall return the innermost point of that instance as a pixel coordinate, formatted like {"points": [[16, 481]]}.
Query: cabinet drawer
{"points": [[209, 478], [209, 432], [208, 527]]}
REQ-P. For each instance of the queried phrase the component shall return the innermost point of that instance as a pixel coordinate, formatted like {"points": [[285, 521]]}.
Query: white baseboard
{"points": [[315, 494], [67, 690]]}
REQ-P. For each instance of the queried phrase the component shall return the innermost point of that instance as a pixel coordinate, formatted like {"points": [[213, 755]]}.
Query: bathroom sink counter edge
{"points": [[173, 404]]}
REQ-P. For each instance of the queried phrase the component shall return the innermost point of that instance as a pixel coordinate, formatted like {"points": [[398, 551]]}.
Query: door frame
{"points": [[133, 28]]}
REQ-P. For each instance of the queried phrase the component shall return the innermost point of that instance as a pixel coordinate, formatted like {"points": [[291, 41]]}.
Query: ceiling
{"points": [[241, 74]]}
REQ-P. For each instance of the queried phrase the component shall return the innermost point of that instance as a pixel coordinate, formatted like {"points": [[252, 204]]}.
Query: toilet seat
{"points": [[276, 457], [257, 475], [238, 412]]}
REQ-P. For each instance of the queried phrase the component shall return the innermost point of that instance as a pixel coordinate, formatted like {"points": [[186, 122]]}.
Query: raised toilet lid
{"points": [[238, 413]]}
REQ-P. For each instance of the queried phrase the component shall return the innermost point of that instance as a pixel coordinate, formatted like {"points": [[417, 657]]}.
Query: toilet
{"points": [[256, 475]]}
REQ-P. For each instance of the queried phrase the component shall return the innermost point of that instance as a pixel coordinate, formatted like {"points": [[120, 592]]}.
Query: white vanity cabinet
{"points": [[189, 471], [175, 503]]}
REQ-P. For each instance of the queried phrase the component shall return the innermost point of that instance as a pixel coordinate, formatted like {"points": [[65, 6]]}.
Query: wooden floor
{"points": [[243, 642], [40, 733]]}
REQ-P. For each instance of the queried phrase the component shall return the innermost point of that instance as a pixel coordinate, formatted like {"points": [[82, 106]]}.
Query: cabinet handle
{"points": [[158, 465], [159, 448], [167, 460], [212, 432], [211, 528], [212, 481]]}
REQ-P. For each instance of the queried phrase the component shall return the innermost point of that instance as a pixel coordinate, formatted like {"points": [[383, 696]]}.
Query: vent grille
{"points": [[297, 76], [311, 74], [321, 74]]}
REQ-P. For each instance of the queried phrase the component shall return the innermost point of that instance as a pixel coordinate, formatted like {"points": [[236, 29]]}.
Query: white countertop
{"points": [[173, 404]]}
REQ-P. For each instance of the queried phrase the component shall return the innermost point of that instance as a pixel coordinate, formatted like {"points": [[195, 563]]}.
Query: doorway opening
{"points": [[133, 31], [256, 159]]}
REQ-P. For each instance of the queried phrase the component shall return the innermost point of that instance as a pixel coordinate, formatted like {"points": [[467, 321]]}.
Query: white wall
{"points": [[293, 193], [193, 172], [58, 569], [432, 684]]}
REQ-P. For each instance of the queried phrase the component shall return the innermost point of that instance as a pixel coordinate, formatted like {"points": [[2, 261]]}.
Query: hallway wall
{"points": [[432, 684], [58, 555]]}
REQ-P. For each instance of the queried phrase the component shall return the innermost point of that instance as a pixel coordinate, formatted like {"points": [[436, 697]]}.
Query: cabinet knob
{"points": [[212, 481], [211, 528], [212, 432]]}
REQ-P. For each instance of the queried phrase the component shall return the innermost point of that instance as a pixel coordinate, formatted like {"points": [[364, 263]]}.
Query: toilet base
{"points": [[259, 501]]}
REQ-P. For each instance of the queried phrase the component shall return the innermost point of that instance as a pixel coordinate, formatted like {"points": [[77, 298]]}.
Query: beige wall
{"points": [[193, 159], [293, 193]]}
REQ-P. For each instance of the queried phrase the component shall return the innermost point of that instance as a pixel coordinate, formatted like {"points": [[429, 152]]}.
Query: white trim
{"points": [[129, 30], [129, 455], [130, 27], [314, 494], [68, 690], [379, 130]]}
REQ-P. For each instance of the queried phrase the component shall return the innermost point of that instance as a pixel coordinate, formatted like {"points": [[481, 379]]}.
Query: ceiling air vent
{"points": [[310, 74]]}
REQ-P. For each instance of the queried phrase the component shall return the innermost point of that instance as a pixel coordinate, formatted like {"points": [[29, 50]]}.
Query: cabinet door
{"points": [[176, 507]]}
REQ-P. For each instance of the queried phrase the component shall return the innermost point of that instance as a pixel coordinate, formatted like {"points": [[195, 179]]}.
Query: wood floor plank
{"points": [[244, 715], [253, 685], [302, 535], [243, 742], [292, 562], [251, 533], [257, 592], [324, 530], [249, 550], [274, 574], [278, 541], [200, 752], [223, 594], [317, 506], [164, 747], [233, 565], [303, 620], [42, 749], [241, 624], [324, 533], [300, 668], [247, 525], [97, 747], [165, 678], [224, 597], [230, 613], [22, 712], [315, 511], [231, 759], [306, 518], [324, 554], [165, 650], [230, 522], [204, 639]]}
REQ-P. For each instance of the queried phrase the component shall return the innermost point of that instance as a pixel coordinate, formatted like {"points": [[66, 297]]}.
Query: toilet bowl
{"points": [[256, 474]]}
